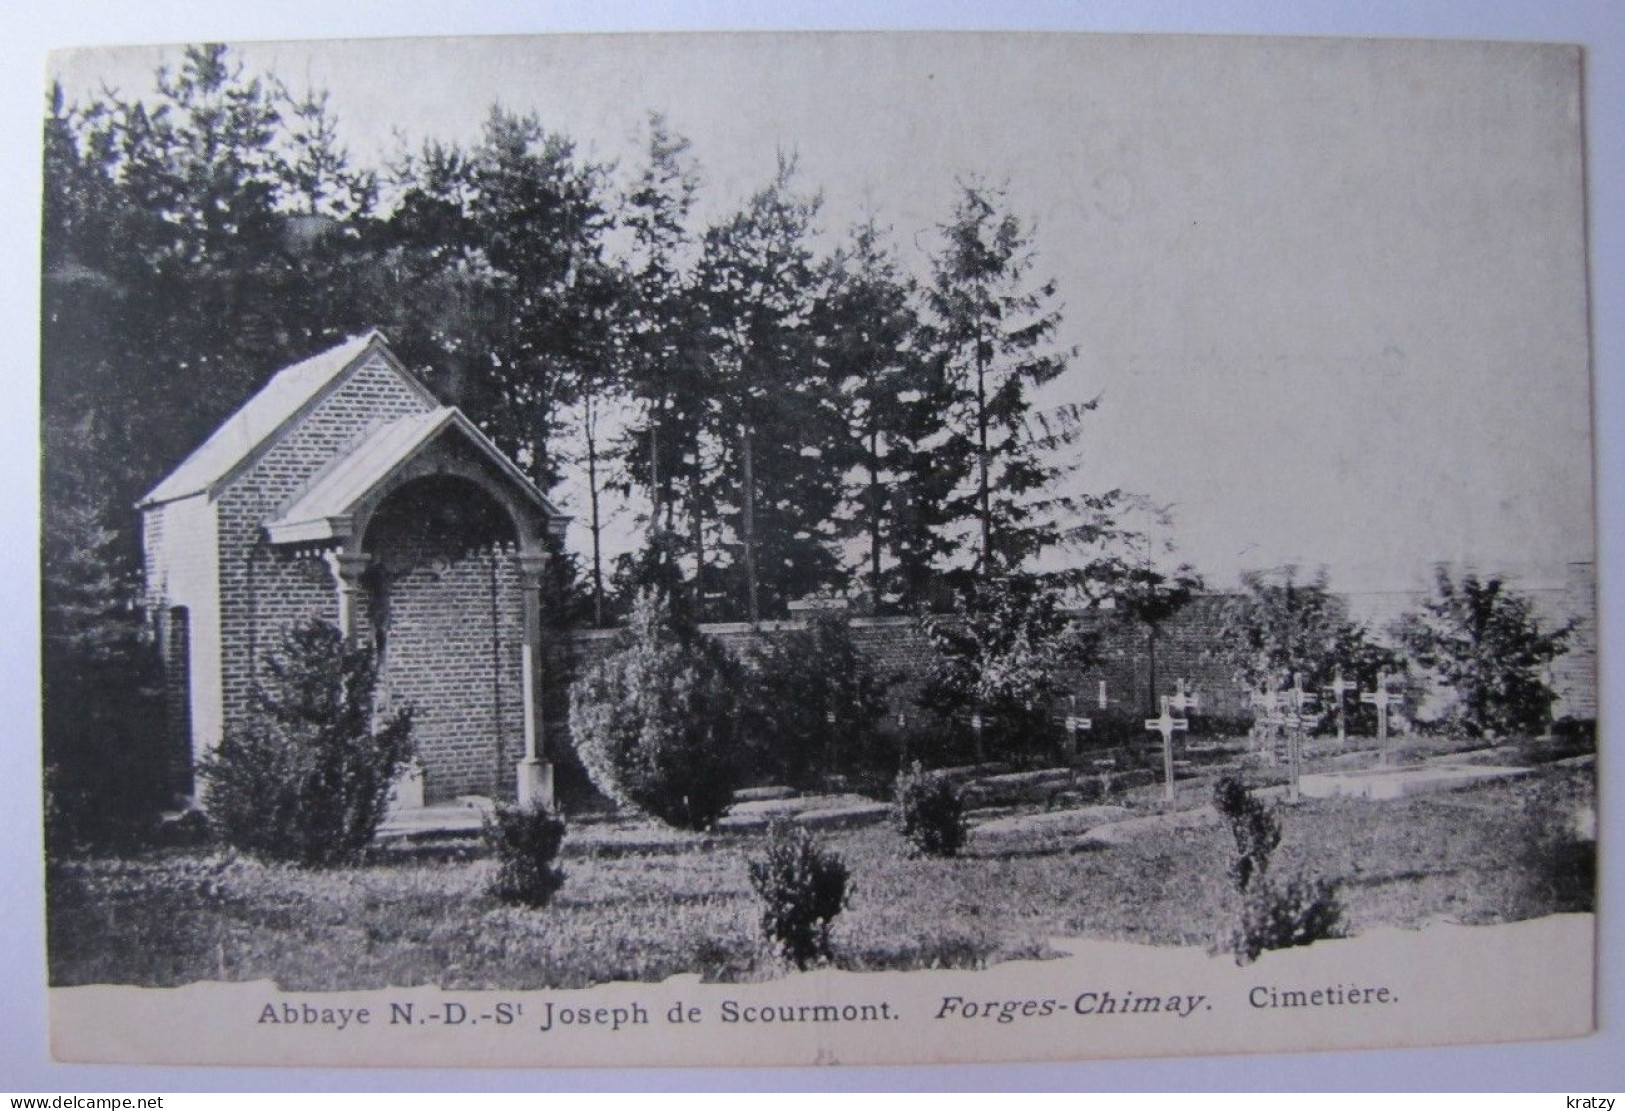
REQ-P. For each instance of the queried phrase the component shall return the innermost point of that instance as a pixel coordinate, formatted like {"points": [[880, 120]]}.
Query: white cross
{"points": [[1167, 725], [1338, 688], [1295, 721], [977, 724], [1183, 701], [1301, 699], [1267, 701], [1268, 704], [1381, 698], [1073, 723]]}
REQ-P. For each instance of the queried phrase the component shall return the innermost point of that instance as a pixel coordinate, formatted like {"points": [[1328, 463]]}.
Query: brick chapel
{"points": [[345, 490]]}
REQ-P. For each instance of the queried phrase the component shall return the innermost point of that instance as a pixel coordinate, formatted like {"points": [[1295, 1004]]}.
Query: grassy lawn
{"points": [[647, 910]]}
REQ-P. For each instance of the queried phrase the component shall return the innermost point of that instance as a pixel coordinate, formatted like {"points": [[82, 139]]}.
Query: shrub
{"points": [[1278, 626], [109, 769], [525, 841], [816, 705], [308, 777], [1254, 827], [656, 724], [803, 886], [1555, 848], [930, 812], [1484, 641], [1279, 916], [1002, 654]]}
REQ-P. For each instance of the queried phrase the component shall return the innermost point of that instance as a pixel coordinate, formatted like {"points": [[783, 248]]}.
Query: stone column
{"points": [[535, 771], [348, 567]]}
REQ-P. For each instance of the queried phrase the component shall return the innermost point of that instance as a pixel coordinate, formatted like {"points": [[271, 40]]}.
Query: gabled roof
{"points": [[255, 426], [324, 511]]}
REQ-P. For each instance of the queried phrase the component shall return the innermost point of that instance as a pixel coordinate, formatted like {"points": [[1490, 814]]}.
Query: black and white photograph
{"points": [[826, 547]]}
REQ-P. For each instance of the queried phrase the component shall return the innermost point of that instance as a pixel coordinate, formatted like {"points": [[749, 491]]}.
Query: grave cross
{"points": [[1073, 723], [1268, 703], [978, 722], [1381, 698], [1338, 688], [1297, 722], [1301, 699], [1167, 725]]}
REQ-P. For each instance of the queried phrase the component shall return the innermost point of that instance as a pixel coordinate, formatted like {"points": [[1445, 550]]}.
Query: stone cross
{"points": [[1338, 688], [1381, 698], [1167, 725]]}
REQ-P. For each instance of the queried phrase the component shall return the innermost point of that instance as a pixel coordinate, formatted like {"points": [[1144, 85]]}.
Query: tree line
{"points": [[788, 421]]}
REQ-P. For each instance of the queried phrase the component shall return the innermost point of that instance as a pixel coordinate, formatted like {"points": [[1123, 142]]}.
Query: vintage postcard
{"points": [[773, 549]]}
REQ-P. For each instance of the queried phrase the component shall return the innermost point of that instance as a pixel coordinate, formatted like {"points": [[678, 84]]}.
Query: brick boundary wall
{"points": [[897, 649]]}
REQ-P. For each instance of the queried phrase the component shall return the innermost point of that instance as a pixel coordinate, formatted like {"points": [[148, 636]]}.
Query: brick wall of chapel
{"points": [[452, 652], [264, 589]]}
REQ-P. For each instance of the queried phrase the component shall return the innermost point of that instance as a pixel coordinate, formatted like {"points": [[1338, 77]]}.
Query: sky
{"points": [[1331, 294]]}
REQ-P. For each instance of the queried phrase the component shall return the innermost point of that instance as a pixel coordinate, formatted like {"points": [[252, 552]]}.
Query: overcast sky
{"points": [[1332, 293]]}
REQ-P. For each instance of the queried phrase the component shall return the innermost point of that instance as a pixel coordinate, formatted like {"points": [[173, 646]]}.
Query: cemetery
{"points": [[511, 569], [526, 805], [489, 800]]}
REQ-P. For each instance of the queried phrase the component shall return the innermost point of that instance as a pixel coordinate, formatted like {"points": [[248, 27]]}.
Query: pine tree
{"points": [[994, 329], [869, 334], [775, 412], [662, 352]]}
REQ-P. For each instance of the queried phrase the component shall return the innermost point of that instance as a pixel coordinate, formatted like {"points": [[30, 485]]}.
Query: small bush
{"points": [[803, 886], [109, 769], [1280, 916], [1555, 853], [525, 841], [930, 812], [657, 724], [308, 778], [1255, 828], [816, 707], [1485, 641]]}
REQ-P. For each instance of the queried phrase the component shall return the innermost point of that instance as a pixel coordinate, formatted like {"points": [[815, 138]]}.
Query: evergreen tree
{"points": [[776, 414], [662, 353], [539, 217], [869, 332], [496, 273], [994, 328]]}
